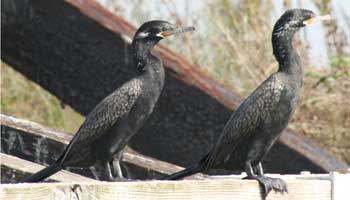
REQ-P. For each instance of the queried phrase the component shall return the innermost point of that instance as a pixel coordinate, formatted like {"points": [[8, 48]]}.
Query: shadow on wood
{"points": [[36, 143], [14, 169], [75, 50]]}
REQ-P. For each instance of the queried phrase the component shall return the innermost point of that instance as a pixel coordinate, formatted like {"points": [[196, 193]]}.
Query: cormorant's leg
{"points": [[277, 183], [268, 183], [102, 172], [115, 165], [116, 169], [260, 169], [94, 172]]}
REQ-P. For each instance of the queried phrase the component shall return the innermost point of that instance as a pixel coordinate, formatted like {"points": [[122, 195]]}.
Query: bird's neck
{"points": [[155, 72], [283, 50], [141, 49], [151, 67], [288, 59], [282, 44]]}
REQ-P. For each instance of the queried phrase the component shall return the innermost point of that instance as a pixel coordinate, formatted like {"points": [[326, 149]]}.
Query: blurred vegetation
{"points": [[24, 99], [233, 43], [235, 47]]}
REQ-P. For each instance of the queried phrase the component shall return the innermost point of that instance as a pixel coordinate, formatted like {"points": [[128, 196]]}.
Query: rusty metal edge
{"points": [[191, 75]]}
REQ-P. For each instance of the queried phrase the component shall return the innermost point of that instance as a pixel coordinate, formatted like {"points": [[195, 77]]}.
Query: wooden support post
{"points": [[340, 185]]}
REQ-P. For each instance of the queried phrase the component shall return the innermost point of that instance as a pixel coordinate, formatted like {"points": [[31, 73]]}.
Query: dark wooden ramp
{"points": [[14, 169], [79, 52], [23, 139]]}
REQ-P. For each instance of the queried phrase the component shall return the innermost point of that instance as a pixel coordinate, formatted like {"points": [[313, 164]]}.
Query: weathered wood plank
{"points": [[40, 144], [81, 61], [340, 185], [171, 190], [13, 168]]}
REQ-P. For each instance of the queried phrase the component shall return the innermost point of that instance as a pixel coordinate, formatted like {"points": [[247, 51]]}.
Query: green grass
{"points": [[24, 99]]}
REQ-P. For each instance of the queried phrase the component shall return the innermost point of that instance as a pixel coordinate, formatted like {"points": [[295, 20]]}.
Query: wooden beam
{"points": [[13, 168], [340, 185], [80, 54], [229, 188], [38, 143]]}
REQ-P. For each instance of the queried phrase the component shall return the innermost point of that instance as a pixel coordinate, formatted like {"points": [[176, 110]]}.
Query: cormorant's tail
{"points": [[186, 172], [42, 174]]}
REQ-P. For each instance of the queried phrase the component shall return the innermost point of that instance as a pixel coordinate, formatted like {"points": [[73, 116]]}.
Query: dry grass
{"points": [[235, 47], [243, 44], [323, 114]]}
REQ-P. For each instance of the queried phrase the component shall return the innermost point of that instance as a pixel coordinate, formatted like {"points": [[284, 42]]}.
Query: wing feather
{"points": [[105, 115], [247, 118]]}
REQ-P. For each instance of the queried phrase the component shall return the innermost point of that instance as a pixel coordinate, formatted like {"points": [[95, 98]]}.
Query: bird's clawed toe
{"points": [[269, 183]]}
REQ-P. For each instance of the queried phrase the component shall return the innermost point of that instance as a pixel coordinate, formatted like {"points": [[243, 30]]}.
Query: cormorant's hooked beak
{"points": [[316, 19], [169, 32]]}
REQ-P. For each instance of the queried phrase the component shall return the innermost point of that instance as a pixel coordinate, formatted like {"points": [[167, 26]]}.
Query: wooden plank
{"points": [[340, 186], [38, 143], [15, 167], [81, 59], [171, 190]]}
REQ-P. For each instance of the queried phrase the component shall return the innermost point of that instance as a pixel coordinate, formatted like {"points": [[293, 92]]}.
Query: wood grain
{"points": [[20, 167], [170, 190]]}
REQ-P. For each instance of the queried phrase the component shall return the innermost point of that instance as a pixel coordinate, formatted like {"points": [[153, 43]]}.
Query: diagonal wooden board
{"points": [[14, 168], [37, 143]]}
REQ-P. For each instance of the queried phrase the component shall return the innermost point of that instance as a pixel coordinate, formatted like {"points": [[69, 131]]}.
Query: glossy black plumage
{"points": [[111, 124], [257, 123]]}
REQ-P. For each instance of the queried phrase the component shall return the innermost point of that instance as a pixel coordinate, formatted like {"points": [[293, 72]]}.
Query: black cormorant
{"points": [[111, 124], [256, 124]]}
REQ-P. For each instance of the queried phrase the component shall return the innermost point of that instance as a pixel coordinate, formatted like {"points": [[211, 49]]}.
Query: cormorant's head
{"points": [[157, 30], [149, 34], [294, 19]]}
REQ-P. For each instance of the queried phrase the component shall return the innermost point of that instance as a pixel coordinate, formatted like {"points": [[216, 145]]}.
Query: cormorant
{"points": [[111, 124], [259, 120]]}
